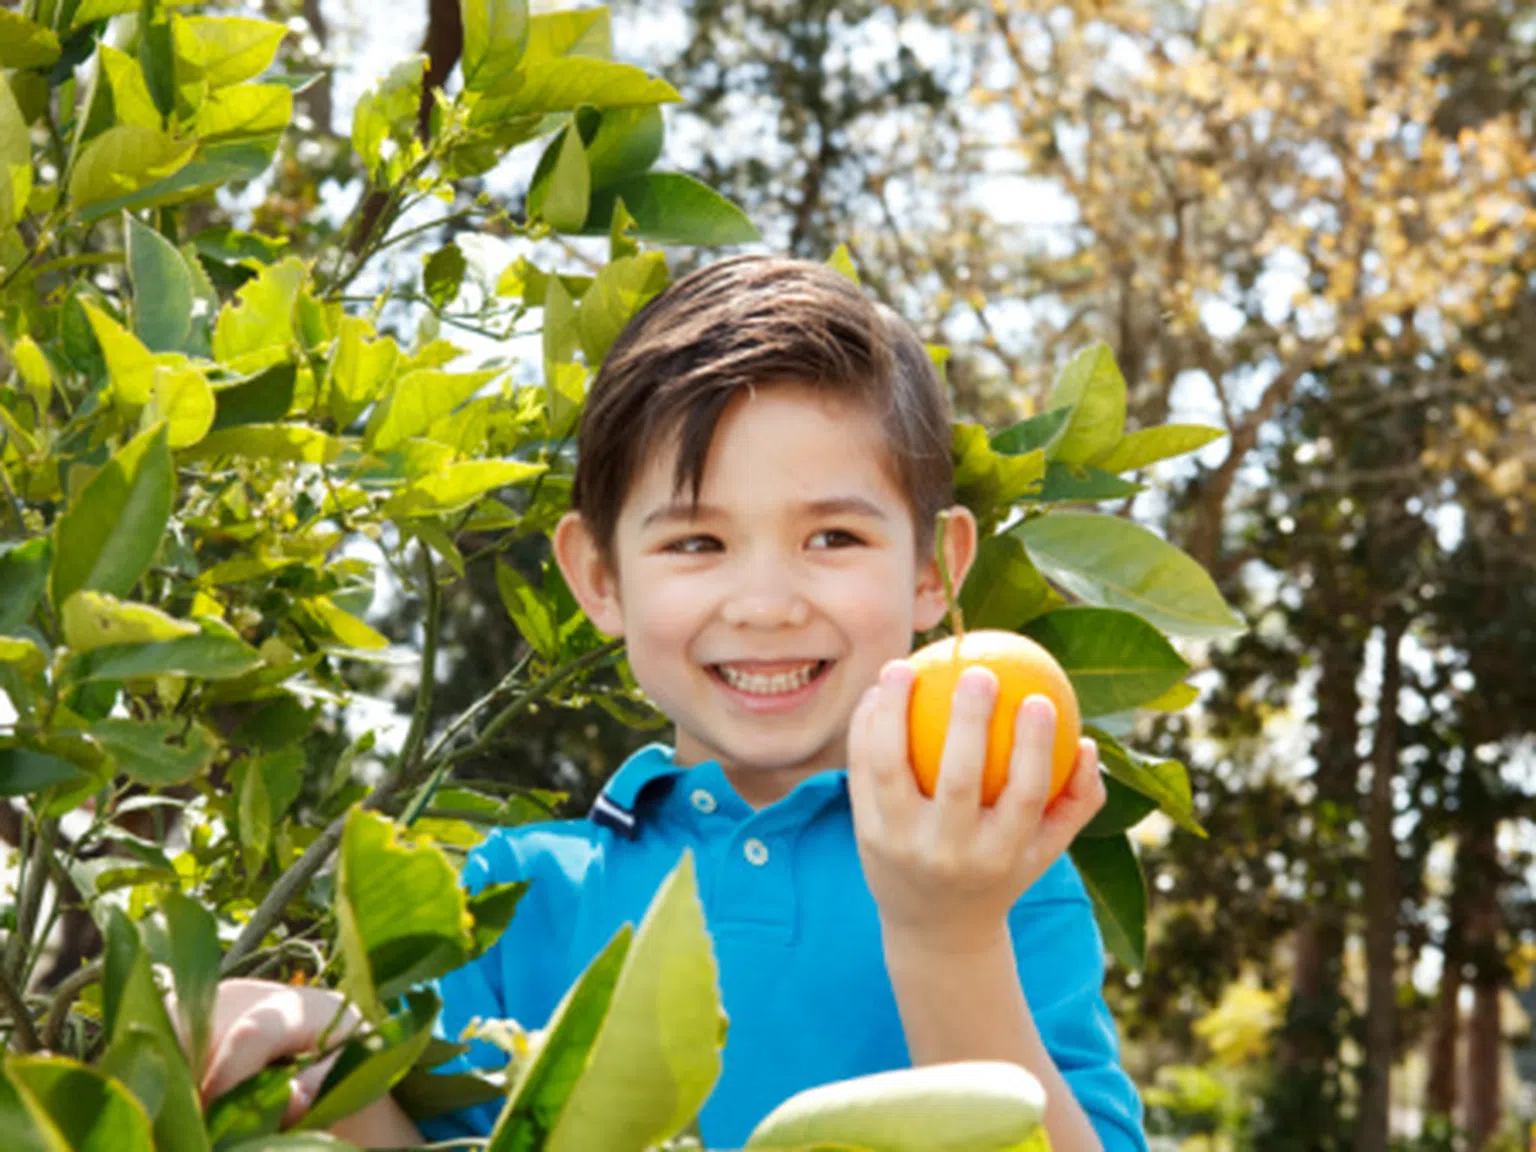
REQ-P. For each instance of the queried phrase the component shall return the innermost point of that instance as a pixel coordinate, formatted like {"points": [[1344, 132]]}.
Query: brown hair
{"points": [[743, 323]]}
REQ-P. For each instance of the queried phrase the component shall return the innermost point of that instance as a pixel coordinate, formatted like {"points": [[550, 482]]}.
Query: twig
{"points": [[31, 899], [410, 750], [591, 660], [24, 1038], [64, 999]]}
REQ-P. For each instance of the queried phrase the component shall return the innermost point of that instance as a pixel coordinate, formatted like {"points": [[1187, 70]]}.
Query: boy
{"points": [[764, 456]]}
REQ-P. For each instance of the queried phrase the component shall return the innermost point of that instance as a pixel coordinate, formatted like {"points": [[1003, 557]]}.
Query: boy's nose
{"points": [[766, 600]]}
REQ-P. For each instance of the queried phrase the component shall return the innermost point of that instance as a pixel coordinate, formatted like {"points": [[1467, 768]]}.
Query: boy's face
{"points": [[756, 624]]}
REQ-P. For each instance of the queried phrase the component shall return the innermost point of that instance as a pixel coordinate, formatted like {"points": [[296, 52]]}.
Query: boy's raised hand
{"points": [[258, 1022], [949, 868]]}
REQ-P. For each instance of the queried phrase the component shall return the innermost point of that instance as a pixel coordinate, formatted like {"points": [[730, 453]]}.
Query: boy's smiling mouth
{"points": [[770, 679]]}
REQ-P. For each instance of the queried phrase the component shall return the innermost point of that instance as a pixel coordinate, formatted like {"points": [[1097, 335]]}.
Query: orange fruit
{"points": [[1023, 669]]}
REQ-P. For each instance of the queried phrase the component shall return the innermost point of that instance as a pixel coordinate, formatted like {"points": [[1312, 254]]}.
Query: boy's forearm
{"points": [[964, 1002]]}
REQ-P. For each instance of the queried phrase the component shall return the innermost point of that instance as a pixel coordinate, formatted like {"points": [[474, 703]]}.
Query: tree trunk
{"points": [[1445, 1029], [1485, 1040], [1373, 1123], [1308, 1049]]}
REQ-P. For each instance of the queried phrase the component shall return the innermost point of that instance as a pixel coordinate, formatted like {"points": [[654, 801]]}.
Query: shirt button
{"points": [[702, 800], [755, 851]]}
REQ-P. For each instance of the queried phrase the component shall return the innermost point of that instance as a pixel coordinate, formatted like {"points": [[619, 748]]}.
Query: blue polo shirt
{"points": [[796, 939]]}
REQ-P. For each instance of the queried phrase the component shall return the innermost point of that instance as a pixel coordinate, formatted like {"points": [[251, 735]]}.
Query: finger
{"points": [[306, 1088], [961, 764], [889, 772], [1078, 803], [860, 783], [277, 1021]]}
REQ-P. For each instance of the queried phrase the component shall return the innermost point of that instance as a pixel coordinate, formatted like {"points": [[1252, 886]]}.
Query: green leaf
{"points": [[25, 43], [162, 289], [15, 160], [561, 199], [130, 365], [132, 102], [1112, 875], [401, 914], [23, 579], [1037, 432], [492, 909], [224, 50], [642, 1082], [540, 1093], [529, 610], [251, 1109], [360, 370], [626, 143], [122, 160], [109, 535], [136, 1017], [1115, 659], [988, 482], [157, 57], [371, 1066], [259, 323], [253, 818], [1092, 387], [444, 275], [1116, 563], [217, 164], [572, 82], [670, 208], [24, 771], [570, 32], [92, 620], [457, 486], [620, 290], [296, 443], [1004, 589], [158, 753], [79, 1106], [243, 111], [1078, 483], [388, 111], [415, 400], [345, 628], [1148, 445], [260, 399], [210, 655], [1165, 781], [195, 956], [183, 399], [495, 34], [22, 654], [1124, 808]]}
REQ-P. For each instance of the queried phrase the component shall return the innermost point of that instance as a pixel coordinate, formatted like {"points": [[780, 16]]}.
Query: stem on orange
{"points": [[956, 617]]}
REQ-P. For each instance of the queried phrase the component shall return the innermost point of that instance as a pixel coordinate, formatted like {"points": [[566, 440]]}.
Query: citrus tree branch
{"points": [[24, 1037], [64, 997]]}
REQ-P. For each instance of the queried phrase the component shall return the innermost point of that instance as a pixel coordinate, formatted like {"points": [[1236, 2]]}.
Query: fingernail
{"points": [[896, 674], [978, 683]]}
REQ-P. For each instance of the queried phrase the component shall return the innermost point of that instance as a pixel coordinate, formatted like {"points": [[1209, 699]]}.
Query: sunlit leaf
{"points": [[224, 50], [25, 43], [124, 159], [94, 620], [1093, 388], [112, 529], [495, 34]]}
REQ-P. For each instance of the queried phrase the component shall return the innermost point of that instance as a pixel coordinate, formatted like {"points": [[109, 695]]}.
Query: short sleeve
{"points": [[1061, 966], [508, 981]]}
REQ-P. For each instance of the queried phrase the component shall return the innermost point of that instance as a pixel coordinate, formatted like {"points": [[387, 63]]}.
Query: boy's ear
{"points": [[594, 585], [960, 544]]}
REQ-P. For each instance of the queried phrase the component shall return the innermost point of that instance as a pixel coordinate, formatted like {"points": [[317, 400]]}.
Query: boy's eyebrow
{"points": [[831, 506]]}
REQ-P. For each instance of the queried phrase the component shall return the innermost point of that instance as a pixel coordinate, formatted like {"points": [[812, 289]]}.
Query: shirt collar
{"points": [[617, 805]]}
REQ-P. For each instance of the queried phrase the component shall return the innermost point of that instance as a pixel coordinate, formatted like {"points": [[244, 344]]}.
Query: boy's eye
{"points": [[693, 545], [835, 538]]}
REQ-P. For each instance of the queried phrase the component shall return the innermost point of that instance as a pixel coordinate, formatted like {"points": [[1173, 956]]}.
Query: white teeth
{"points": [[774, 685]]}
